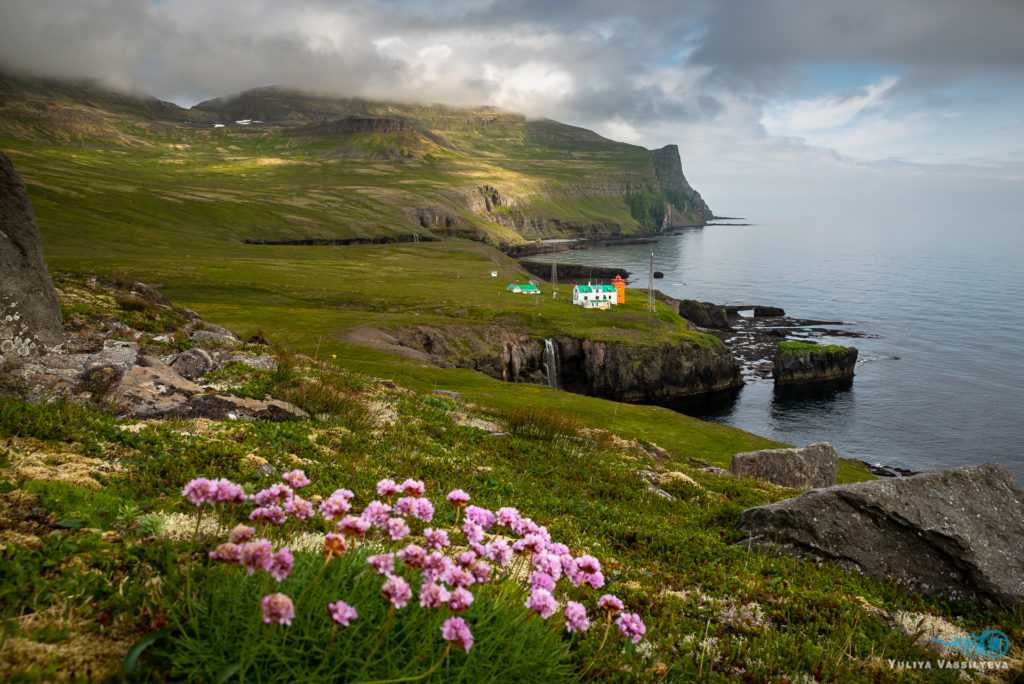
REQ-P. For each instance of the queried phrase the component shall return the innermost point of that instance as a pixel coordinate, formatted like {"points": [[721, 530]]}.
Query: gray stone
{"points": [[194, 363], [814, 465], [30, 320], [215, 338], [265, 362], [955, 531], [230, 407], [152, 389]]}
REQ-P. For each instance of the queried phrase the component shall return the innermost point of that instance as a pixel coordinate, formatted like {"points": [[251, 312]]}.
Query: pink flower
{"points": [[299, 507], [200, 491], [594, 580], [433, 595], [523, 526], [481, 516], [459, 599], [631, 626], [542, 580], [464, 559], [241, 534], [280, 564], [413, 487], [436, 567], [548, 563], [334, 545], [296, 478], [588, 564], [457, 631], [576, 617], [507, 515], [460, 578], [397, 528], [387, 488], [334, 507], [473, 532], [423, 510], [413, 556], [542, 602], [353, 527], [558, 549], [613, 604], [228, 553], [274, 515], [498, 551], [278, 609], [376, 513], [230, 492], [436, 539], [404, 505], [481, 572], [457, 497], [397, 591], [345, 494], [342, 613], [383, 564], [255, 555], [272, 495]]}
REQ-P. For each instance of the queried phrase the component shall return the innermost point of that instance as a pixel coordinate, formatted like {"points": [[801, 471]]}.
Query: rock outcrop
{"points": [[954, 531], [30, 319], [814, 465], [702, 314], [812, 363]]}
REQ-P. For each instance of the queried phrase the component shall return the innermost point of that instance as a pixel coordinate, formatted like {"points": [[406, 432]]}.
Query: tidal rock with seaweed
{"points": [[953, 531]]}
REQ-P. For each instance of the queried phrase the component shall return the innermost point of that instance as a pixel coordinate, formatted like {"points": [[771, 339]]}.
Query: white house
{"points": [[595, 296]]}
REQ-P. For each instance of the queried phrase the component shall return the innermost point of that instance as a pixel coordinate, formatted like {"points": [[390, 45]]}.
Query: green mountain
{"points": [[277, 165]]}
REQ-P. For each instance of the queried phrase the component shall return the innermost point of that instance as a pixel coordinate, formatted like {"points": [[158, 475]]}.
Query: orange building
{"points": [[620, 289]]}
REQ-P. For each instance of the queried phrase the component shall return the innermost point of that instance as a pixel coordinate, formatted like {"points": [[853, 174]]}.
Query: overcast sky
{"points": [[775, 104]]}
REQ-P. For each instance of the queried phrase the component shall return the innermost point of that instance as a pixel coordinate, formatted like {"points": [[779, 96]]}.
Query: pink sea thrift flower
{"points": [[457, 631], [278, 609], [473, 532], [255, 555], [558, 549], [423, 510], [397, 591], [404, 505], [274, 515], [542, 580], [241, 534], [280, 564], [342, 613], [457, 497], [595, 580], [200, 491], [397, 528], [436, 539], [272, 495], [228, 553], [383, 564], [433, 595], [481, 516], [436, 567], [460, 578], [498, 551], [345, 494], [576, 617], [334, 507], [413, 487], [542, 602], [230, 492], [296, 478], [299, 507], [588, 564], [548, 563], [631, 626], [387, 488], [376, 513], [507, 516], [613, 604], [353, 527], [464, 559], [459, 599], [523, 526], [413, 556], [481, 572], [334, 545]]}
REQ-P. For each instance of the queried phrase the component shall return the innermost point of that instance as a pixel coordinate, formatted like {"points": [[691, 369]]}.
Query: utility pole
{"points": [[554, 279], [650, 285]]}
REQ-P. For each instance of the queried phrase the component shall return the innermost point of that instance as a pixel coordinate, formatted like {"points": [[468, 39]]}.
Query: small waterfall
{"points": [[551, 362]]}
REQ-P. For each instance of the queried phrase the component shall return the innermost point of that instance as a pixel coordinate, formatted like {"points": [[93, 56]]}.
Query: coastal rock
{"points": [[702, 314], [814, 465], [954, 531], [30, 319], [812, 363], [768, 312]]}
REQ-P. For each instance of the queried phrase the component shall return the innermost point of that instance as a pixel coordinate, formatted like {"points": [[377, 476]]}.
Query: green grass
{"points": [[794, 347]]}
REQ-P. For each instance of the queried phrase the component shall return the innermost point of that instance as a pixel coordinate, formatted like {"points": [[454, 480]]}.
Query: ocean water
{"points": [[941, 380]]}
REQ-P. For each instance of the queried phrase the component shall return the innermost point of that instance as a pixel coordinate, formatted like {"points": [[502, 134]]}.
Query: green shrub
{"points": [[547, 425]]}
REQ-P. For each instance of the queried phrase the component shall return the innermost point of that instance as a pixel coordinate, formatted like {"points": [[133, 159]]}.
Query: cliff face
{"points": [[814, 364], [613, 370]]}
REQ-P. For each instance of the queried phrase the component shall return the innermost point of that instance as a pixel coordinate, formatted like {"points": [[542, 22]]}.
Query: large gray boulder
{"points": [[30, 321], [955, 531], [814, 465]]}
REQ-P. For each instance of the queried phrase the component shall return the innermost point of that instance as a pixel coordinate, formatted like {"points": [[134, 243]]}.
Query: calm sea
{"points": [[941, 384]]}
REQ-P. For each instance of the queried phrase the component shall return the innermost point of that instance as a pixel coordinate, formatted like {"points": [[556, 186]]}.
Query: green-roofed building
{"points": [[523, 288], [595, 296]]}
